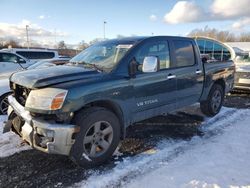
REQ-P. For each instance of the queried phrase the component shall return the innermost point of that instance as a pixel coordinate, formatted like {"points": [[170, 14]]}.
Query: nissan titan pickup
{"points": [[82, 109]]}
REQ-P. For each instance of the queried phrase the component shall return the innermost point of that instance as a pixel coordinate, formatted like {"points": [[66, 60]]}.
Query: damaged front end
{"points": [[41, 132]]}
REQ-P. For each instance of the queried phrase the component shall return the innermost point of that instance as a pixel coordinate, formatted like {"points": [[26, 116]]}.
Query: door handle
{"points": [[198, 71], [171, 76]]}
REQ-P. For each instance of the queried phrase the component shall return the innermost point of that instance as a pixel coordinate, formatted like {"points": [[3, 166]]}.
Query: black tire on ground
{"points": [[215, 99], [4, 104], [98, 138]]}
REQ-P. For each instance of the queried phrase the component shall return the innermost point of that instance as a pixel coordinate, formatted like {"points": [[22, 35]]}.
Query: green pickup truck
{"points": [[82, 109]]}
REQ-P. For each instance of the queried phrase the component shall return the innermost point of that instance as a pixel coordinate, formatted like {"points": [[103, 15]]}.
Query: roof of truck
{"points": [[139, 38]]}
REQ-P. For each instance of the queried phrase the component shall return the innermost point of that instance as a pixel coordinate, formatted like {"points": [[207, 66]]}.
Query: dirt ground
{"points": [[32, 168]]}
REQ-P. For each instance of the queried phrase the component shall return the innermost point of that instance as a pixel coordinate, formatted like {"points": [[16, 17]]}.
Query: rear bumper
{"points": [[45, 136]]}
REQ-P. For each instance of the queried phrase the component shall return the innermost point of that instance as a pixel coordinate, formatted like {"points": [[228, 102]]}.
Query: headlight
{"points": [[46, 99]]}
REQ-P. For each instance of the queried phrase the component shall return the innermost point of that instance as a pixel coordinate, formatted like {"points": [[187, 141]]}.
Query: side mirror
{"points": [[150, 64], [21, 60], [204, 60], [132, 69]]}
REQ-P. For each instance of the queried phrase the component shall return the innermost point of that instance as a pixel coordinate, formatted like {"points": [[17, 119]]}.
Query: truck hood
{"points": [[37, 78]]}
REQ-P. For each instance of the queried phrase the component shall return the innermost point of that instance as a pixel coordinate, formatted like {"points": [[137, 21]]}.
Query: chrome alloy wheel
{"points": [[216, 100], [98, 139]]}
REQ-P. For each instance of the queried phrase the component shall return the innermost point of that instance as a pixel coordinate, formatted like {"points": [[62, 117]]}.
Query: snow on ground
{"points": [[10, 143], [218, 159]]}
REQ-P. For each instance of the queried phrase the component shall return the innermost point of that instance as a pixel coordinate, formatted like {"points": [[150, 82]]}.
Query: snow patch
{"points": [[218, 162], [218, 159], [10, 143]]}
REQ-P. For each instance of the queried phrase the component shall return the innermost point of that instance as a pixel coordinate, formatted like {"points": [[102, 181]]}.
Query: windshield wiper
{"points": [[96, 67], [88, 65]]}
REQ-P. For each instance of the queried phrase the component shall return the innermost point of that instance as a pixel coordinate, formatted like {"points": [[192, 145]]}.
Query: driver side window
{"points": [[158, 49]]}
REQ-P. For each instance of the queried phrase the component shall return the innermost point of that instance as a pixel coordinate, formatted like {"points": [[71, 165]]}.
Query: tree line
{"points": [[223, 36]]}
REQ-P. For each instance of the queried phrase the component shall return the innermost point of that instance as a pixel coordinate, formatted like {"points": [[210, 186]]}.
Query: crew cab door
{"points": [[188, 71], [10, 62], [154, 92]]}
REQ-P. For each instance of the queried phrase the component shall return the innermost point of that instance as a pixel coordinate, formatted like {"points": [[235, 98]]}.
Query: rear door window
{"points": [[184, 53]]}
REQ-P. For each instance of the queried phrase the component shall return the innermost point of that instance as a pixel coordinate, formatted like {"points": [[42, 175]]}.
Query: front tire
{"points": [[214, 102], [98, 138]]}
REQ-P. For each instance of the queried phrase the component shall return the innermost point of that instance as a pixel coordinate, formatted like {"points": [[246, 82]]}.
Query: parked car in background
{"points": [[240, 52], [4, 83], [34, 54], [10, 61], [242, 63], [242, 74], [50, 62], [16, 59]]}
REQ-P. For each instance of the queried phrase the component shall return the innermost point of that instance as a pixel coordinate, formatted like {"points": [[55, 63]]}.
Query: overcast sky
{"points": [[75, 20]]}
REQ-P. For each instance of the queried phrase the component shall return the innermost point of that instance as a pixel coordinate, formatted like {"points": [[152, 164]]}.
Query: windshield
{"points": [[103, 56], [243, 59]]}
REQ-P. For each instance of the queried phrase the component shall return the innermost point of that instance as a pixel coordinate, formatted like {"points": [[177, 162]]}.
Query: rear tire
{"points": [[214, 102], [98, 138]]}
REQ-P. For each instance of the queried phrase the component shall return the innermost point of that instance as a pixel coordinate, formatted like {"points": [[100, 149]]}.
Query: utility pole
{"points": [[104, 29], [55, 39], [27, 36]]}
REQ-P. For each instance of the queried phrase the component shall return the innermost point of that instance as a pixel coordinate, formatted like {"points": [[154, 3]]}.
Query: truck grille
{"points": [[20, 93]]}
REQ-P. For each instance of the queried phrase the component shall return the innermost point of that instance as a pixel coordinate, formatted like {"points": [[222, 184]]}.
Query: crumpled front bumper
{"points": [[43, 135]]}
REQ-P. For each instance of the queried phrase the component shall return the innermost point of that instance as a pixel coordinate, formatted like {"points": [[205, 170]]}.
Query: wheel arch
{"points": [[208, 88], [221, 82], [113, 107], [208, 106]]}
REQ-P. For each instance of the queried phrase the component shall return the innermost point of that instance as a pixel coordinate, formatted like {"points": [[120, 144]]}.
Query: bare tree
{"points": [[95, 40], [244, 37], [1, 44], [10, 43], [223, 36], [62, 45], [82, 45]]}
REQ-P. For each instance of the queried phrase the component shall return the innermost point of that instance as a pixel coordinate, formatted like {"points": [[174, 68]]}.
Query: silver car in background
{"points": [[10, 61], [4, 82], [242, 74]]}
